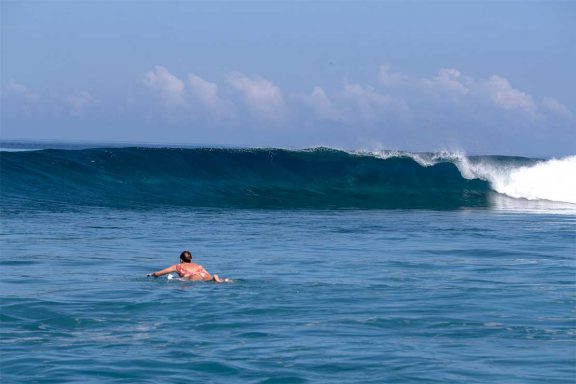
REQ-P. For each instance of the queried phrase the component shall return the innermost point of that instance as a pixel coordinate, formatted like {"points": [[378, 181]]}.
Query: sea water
{"points": [[478, 288]]}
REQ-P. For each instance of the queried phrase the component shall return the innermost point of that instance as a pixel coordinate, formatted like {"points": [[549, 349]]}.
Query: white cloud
{"points": [[366, 94], [354, 103], [504, 96], [170, 88], [206, 93], [451, 80], [450, 86], [369, 105], [398, 108], [321, 104], [448, 82], [387, 77], [261, 96]]}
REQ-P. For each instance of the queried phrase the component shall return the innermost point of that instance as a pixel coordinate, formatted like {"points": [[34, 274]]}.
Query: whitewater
{"points": [[552, 180]]}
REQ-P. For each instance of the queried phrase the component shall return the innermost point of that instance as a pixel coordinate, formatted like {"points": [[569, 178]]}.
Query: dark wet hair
{"points": [[186, 257]]}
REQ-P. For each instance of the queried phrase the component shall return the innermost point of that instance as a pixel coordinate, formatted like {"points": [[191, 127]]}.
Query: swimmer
{"points": [[189, 270]]}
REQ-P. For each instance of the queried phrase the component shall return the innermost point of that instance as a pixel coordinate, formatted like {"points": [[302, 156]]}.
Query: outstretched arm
{"points": [[164, 271]]}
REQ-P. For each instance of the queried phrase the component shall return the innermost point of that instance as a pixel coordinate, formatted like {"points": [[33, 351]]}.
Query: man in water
{"points": [[188, 270]]}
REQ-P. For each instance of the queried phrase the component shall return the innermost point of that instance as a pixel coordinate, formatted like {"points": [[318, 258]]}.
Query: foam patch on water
{"points": [[3, 149]]}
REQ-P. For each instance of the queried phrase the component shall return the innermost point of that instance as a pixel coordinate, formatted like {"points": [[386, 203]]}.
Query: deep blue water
{"points": [[348, 267], [348, 296]]}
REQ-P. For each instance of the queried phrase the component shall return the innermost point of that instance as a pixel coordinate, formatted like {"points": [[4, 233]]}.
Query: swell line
{"points": [[266, 178]]}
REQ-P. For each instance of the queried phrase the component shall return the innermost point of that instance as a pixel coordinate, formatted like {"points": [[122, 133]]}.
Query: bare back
{"points": [[193, 271]]}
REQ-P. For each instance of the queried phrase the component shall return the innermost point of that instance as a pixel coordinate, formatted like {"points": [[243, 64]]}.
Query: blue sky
{"points": [[479, 77]]}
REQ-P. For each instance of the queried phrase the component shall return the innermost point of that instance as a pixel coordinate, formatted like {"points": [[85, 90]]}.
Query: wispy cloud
{"points": [[79, 102], [556, 107], [22, 100], [15, 89]]}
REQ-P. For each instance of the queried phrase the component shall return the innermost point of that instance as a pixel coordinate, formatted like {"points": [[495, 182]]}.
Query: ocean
{"points": [[348, 266]]}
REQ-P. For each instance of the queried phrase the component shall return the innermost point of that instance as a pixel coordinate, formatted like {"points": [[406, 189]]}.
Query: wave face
{"points": [[267, 178]]}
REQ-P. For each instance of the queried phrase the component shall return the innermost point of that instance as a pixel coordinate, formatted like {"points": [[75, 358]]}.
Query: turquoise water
{"points": [[336, 296], [349, 267]]}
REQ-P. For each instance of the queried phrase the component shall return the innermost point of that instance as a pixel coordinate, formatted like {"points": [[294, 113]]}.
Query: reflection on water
{"points": [[502, 202]]}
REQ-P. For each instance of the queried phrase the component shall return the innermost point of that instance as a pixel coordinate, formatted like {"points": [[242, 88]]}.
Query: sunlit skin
{"points": [[190, 271]]}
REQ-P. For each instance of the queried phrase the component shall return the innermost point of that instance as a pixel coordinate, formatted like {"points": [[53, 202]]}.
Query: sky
{"points": [[476, 77]]}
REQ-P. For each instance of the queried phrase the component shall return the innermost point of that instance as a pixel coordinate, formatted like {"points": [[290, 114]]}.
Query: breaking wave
{"points": [[318, 178]]}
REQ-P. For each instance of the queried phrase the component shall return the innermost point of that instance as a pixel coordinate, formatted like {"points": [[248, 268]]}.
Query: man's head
{"points": [[186, 257]]}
